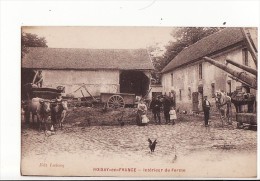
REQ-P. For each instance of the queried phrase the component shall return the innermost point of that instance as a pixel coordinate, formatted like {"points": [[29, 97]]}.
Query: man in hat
{"points": [[206, 107], [166, 108], [155, 106]]}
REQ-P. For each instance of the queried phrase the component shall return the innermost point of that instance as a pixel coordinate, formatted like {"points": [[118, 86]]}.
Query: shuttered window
{"points": [[213, 89], [171, 79], [200, 71], [189, 93], [245, 56]]}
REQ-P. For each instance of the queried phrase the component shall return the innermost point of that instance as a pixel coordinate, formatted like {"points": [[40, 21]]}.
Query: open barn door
{"points": [[134, 82], [27, 76]]}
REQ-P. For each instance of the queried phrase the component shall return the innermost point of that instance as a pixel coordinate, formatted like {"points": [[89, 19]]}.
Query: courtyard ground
{"points": [[93, 143]]}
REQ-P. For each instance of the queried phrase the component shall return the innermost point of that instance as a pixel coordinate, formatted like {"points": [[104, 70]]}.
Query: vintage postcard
{"points": [[176, 102]]}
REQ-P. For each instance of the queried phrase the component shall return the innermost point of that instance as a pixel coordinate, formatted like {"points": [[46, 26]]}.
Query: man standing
{"points": [[156, 109], [206, 107], [166, 108]]}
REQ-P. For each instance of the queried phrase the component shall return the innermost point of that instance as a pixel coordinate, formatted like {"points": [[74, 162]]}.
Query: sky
{"points": [[102, 37]]}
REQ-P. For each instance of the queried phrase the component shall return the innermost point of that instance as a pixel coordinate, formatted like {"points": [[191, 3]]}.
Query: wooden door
{"points": [[195, 101]]}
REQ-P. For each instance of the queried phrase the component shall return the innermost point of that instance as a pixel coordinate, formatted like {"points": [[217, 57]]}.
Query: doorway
{"points": [[27, 76], [134, 82], [195, 101]]}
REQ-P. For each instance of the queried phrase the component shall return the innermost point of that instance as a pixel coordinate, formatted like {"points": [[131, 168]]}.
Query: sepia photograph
{"points": [[139, 101]]}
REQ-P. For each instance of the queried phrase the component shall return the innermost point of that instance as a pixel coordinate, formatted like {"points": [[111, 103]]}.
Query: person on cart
{"points": [[38, 78]]}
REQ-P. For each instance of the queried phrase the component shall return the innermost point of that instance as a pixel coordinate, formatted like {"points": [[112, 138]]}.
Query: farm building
{"points": [[101, 70], [188, 78]]}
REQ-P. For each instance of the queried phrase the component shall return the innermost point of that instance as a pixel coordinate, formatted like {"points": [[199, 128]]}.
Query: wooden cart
{"points": [[29, 91], [118, 100]]}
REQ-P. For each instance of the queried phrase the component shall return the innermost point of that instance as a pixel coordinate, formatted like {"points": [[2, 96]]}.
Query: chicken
{"points": [[120, 121], [47, 133], [174, 159], [52, 128], [152, 144], [184, 112]]}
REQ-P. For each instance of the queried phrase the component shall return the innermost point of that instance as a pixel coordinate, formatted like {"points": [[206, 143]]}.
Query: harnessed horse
{"points": [[223, 103]]}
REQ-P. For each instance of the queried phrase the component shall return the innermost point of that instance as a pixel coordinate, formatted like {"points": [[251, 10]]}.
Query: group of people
{"points": [[168, 109], [156, 105]]}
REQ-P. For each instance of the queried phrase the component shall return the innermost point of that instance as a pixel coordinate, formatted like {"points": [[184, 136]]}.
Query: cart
{"points": [[118, 100], [29, 91]]}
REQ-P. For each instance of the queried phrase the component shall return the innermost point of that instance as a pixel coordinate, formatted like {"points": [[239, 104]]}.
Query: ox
{"points": [[58, 112], [223, 103], [40, 108]]}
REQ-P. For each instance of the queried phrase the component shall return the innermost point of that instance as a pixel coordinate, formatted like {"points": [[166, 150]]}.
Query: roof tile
{"points": [[74, 58], [206, 46]]}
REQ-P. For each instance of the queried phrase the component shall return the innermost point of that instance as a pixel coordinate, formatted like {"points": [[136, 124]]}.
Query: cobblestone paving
{"points": [[187, 137]]}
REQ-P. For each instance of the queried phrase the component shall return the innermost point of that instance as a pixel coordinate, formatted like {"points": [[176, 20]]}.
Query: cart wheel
{"points": [[115, 102]]}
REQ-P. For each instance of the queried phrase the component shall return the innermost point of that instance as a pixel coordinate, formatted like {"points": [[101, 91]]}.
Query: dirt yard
{"points": [[93, 143]]}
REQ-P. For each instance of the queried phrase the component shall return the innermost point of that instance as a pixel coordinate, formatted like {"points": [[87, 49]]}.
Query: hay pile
{"points": [[89, 116]]}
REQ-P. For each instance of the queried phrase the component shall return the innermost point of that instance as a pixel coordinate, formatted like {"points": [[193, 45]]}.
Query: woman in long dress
{"points": [[141, 113]]}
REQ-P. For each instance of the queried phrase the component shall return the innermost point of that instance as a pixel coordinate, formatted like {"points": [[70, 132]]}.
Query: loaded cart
{"points": [[30, 91]]}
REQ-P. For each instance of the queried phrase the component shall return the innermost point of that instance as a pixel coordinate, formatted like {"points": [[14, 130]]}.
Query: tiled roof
{"points": [[206, 46], [74, 58]]}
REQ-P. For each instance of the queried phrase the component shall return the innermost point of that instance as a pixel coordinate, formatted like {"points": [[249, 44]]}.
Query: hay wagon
{"points": [[30, 91], [118, 100]]}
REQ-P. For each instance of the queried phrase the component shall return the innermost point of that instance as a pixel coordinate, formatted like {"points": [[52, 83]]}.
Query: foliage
{"points": [[156, 55], [184, 37], [31, 40]]}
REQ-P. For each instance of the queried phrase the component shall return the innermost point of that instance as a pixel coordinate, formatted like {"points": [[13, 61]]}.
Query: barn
{"points": [[101, 70], [187, 78]]}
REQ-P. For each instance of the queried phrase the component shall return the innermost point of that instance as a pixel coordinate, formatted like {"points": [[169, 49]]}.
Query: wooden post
{"points": [[249, 79], [249, 46]]}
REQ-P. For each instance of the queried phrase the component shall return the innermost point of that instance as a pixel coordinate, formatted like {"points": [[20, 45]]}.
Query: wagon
{"points": [[117, 100], [29, 92]]}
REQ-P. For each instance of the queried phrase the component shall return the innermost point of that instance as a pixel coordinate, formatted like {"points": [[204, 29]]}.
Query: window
{"points": [[229, 86], [171, 79], [213, 90], [245, 56], [180, 94], [200, 71], [189, 93]]}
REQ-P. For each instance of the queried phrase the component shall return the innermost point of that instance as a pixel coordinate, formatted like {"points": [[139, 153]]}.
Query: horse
{"points": [[223, 103]]}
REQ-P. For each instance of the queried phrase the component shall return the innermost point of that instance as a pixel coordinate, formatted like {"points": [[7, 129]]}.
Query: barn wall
{"points": [[96, 81], [187, 78]]}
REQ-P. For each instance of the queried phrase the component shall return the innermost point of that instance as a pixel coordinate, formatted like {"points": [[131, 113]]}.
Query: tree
{"points": [[156, 54], [184, 37], [31, 40]]}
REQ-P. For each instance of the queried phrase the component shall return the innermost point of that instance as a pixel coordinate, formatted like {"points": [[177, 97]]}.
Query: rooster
{"points": [[152, 144]]}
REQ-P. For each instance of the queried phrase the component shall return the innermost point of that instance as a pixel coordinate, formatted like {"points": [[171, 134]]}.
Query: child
{"points": [[173, 115]]}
